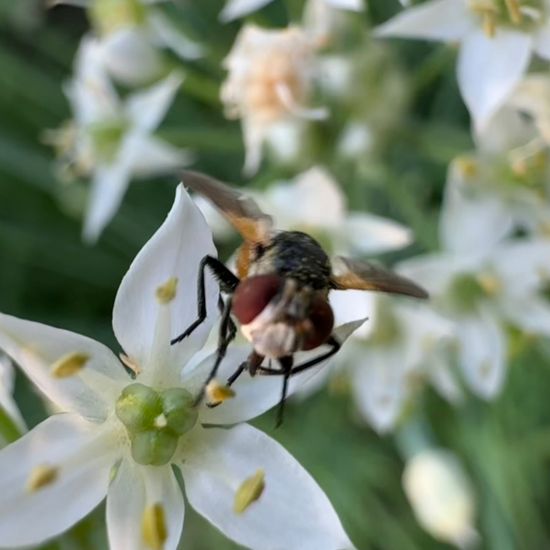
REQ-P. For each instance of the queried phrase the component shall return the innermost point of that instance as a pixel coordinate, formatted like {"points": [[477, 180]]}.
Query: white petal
{"points": [[254, 134], [542, 40], [234, 9], [108, 187], [472, 219], [147, 108], [529, 313], [256, 395], [82, 455], [175, 250], [36, 347], [313, 199], [292, 512], [353, 5], [354, 305], [489, 69], [130, 57], [370, 234], [156, 156], [167, 34], [379, 386], [446, 20], [134, 489], [482, 353]]}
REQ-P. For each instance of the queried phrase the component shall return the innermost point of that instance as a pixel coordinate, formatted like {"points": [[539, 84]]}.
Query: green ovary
{"points": [[155, 420], [465, 292], [107, 137]]}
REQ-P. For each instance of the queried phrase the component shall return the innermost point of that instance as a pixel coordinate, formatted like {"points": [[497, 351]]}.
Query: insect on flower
{"points": [[280, 296]]}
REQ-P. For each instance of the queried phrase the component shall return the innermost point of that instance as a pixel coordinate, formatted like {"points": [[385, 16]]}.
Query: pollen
{"points": [[467, 166], [250, 491], [167, 292], [489, 283], [40, 477], [218, 393], [514, 11], [69, 365], [153, 526]]}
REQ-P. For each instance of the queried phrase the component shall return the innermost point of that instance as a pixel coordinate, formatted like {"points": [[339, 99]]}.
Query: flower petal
{"points": [[171, 36], [89, 392], [529, 313], [255, 396], [353, 5], [542, 40], [447, 20], [130, 57], [379, 385], [234, 9], [156, 156], [291, 512], [472, 219], [489, 69], [137, 491], [108, 187], [78, 457], [482, 353], [147, 108], [174, 251], [370, 234]]}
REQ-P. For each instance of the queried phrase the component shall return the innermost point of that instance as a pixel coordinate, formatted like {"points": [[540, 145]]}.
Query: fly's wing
{"points": [[361, 275], [241, 211]]}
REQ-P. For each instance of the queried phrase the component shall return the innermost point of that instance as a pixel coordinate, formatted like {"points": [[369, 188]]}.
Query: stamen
{"points": [[250, 491], [167, 292], [489, 283], [129, 362], [153, 526], [69, 365], [514, 11], [41, 476], [467, 166], [489, 23], [217, 393]]}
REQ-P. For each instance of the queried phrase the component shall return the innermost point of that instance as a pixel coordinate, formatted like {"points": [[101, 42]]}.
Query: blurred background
{"points": [[406, 94]]}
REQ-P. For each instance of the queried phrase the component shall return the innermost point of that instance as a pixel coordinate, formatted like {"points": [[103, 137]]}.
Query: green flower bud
{"points": [[179, 410], [154, 447], [137, 407]]}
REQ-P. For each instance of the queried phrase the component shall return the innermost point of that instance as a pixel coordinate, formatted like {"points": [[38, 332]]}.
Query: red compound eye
{"points": [[253, 294], [321, 318]]}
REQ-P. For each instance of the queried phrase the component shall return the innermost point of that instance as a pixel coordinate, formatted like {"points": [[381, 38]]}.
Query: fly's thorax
{"points": [[280, 317], [293, 254]]}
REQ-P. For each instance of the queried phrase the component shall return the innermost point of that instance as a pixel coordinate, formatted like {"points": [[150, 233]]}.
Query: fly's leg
{"points": [[227, 282]]}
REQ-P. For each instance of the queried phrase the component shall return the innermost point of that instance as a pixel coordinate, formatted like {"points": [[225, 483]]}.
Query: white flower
{"points": [[482, 283], [238, 8], [131, 35], [112, 140], [135, 429], [401, 344], [11, 421], [314, 203], [441, 496], [269, 81], [496, 38]]}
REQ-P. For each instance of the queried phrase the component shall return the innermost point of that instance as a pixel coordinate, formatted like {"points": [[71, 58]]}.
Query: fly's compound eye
{"points": [[253, 295], [320, 325]]}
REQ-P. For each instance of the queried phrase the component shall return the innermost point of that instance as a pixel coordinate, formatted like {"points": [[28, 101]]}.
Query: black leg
{"points": [[227, 283], [308, 364], [286, 368], [225, 337], [252, 364]]}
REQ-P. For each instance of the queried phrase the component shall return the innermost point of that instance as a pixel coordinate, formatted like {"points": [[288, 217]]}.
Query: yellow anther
{"points": [[250, 491], [153, 526], [468, 166], [167, 292], [514, 11], [489, 23], [129, 362], [69, 365], [41, 476], [489, 283], [217, 393]]}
